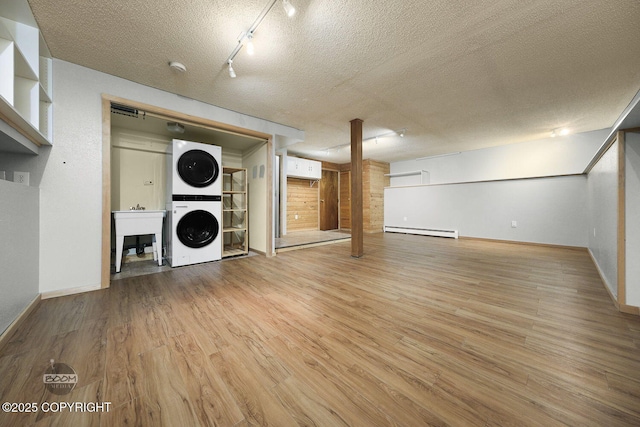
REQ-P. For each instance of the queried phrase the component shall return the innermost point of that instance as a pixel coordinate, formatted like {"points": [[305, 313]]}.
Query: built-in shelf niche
{"points": [[25, 83]]}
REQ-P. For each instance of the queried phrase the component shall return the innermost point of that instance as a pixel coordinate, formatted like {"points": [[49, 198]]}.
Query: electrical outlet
{"points": [[404, 219], [514, 224], [21, 177], [296, 216]]}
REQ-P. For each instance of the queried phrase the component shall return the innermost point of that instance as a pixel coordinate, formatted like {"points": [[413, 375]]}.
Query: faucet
{"points": [[137, 208]]}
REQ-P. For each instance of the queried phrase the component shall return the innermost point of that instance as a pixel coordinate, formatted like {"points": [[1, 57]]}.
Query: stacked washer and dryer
{"points": [[194, 203]]}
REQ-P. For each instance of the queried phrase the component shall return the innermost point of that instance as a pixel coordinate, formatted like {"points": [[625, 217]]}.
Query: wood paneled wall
{"points": [[333, 166], [345, 200], [373, 183], [302, 200]]}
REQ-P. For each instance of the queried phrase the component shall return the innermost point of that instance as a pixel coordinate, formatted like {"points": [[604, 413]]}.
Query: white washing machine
{"points": [[194, 168], [194, 230], [194, 203]]}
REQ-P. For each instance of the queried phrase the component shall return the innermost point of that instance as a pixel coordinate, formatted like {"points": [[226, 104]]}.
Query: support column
{"points": [[357, 218]]}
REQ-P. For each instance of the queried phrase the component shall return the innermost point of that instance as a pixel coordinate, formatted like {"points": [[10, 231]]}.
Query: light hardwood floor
{"points": [[300, 239], [420, 331]]}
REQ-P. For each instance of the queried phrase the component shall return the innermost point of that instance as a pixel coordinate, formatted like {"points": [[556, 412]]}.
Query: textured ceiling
{"points": [[458, 75]]}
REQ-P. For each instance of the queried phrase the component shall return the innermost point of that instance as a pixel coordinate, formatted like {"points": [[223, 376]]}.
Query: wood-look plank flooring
{"points": [[420, 331], [308, 238]]}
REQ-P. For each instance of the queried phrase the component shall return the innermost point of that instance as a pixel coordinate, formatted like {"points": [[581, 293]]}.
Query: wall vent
{"points": [[124, 110]]}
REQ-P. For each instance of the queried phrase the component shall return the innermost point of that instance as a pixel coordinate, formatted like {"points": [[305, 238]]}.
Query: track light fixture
{"points": [[250, 48], [288, 8], [247, 37], [400, 132], [232, 72]]}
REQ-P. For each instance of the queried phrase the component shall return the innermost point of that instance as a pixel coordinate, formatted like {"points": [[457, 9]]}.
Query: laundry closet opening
{"points": [[137, 144]]}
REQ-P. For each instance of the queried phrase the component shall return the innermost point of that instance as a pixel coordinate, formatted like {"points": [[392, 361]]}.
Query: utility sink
{"points": [[137, 223]]}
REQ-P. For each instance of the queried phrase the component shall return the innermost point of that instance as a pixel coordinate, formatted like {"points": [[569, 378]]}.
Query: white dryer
{"points": [[194, 168], [194, 203]]}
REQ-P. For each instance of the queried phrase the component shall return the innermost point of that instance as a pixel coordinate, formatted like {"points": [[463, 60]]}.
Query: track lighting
{"points": [[288, 8], [399, 132], [250, 48], [232, 72], [247, 37]]}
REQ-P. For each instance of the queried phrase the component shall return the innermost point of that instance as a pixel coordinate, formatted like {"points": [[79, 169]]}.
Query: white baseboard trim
{"points": [[71, 291]]}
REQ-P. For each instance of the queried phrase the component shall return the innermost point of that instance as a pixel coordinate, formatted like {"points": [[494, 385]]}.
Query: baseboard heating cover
{"points": [[422, 231]]}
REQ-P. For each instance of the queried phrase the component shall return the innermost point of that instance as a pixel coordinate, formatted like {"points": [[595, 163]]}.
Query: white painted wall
{"points": [[137, 157], [71, 185], [603, 217], [548, 157], [255, 163], [547, 210], [231, 159], [632, 224], [19, 241]]}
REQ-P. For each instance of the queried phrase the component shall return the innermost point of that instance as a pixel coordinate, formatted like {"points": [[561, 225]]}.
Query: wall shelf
{"points": [[424, 175], [235, 214], [410, 173], [25, 85]]}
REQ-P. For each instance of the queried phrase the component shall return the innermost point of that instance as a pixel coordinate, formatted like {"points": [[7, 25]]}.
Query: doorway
{"points": [[329, 211], [189, 121]]}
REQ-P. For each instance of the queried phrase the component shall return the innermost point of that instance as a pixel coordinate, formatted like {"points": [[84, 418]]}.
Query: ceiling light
{"points": [[175, 127], [248, 35], [288, 8], [177, 66], [250, 48], [559, 132], [232, 72], [400, 132]]}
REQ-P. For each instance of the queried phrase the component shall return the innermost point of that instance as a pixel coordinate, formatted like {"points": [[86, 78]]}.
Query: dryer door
{"points": [[197, 229], [198, 168]]}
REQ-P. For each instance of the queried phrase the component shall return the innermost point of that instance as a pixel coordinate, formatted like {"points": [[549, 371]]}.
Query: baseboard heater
{"points": [[422, 231]]}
